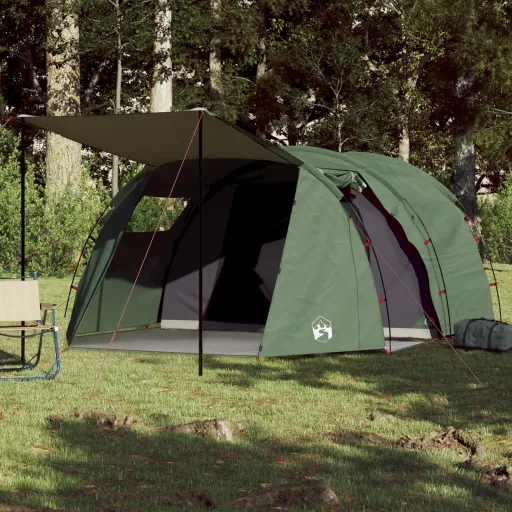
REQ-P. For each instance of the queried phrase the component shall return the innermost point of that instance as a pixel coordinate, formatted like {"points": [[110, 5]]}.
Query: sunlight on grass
{"points": [[306, 417]]}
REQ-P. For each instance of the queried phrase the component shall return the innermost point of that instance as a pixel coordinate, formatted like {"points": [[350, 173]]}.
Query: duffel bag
{"points": [[484, 334]]}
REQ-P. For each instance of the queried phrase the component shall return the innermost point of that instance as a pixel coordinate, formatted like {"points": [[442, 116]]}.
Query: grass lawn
{"points": [[306, 418]]}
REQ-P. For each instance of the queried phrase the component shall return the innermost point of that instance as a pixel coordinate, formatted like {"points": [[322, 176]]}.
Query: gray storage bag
{"points": [[484, 334]]}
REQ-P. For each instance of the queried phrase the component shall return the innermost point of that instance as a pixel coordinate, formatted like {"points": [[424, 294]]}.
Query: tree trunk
{"points": [[63, 157], [261, 68], [404, 96], [404, 146], [464, 187], [216, 88], [464, 182], [293, 133], [119, 81], [161, 90]]}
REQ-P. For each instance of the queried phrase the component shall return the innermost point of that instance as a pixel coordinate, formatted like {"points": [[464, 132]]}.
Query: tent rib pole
{"points": [[81, 256], [23, 169], [440, 270], [386, 302], [200, 305]]}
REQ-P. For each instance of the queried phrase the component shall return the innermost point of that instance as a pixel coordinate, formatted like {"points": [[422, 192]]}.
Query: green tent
{"points": [[279, 251]]}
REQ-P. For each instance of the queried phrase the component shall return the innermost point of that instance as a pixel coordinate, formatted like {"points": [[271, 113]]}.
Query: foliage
{"points": [[153, 211], [339, 74], [496, 215], [54, 235]]}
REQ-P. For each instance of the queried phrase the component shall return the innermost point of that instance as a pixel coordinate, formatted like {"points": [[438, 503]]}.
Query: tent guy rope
{"points": [[431, 320]]}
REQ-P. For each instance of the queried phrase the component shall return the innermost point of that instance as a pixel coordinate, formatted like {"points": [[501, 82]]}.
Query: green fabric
{"points": [[344, 178], [410, 194], [484, 334], [102, 254], [323, 274], [160, 137], [106, 307]]}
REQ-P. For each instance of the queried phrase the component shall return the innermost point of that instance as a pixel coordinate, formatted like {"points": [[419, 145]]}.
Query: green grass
{"points": [[306, 417]]}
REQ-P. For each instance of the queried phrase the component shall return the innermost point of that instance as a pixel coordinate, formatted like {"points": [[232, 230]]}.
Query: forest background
{"points": [[426, 81]]}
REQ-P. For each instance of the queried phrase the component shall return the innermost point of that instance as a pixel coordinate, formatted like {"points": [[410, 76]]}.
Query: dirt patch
{"points": [[492, 475], [452, 439], [377, 416], [106, 420], [55, 420], [213, 429], [353, 438], [195, 500], [313, 493]]}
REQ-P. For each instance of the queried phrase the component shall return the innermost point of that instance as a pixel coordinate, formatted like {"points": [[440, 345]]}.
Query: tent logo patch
{"points": [[322, 329]]}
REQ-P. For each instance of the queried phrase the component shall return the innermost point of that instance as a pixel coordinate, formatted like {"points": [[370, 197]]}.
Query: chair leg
{"points": [[23, 353], [54, 369]]}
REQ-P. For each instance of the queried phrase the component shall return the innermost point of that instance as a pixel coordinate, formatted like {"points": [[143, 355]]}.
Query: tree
{"points": [[63, 157], [119, 83], [117, 37], [22, 61], [468, 81], [400, 37], [215, 58], [161, 88]]}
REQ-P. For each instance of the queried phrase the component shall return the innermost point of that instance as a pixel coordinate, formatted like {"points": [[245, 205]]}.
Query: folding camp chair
{"points": [[19, 305]]}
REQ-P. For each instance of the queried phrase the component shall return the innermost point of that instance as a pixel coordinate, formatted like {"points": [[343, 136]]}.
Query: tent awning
{"points": [[157, 138]]}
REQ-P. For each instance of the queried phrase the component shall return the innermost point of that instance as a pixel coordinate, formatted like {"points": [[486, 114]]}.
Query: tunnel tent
{"points": [[304, 250]]}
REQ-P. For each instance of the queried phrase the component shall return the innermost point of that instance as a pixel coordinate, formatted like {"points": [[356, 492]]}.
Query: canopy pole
{"points": [[200, 305], [23, 172]]}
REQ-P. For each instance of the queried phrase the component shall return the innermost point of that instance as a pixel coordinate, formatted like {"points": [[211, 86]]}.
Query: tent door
{"points": [[392, 254]]}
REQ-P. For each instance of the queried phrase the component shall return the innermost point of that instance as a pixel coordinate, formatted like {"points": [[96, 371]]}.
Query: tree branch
{"points": [[416, 73], [86, 96], [357, 138], [479, 182], [373, 67], [502, 111]]}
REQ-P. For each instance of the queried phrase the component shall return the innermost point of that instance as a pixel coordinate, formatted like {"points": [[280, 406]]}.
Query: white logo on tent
{"points": [[322, 329]]}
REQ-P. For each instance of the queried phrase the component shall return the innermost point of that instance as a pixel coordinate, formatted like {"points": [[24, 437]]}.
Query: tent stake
{"points": [[200, 305], [23, 169]]}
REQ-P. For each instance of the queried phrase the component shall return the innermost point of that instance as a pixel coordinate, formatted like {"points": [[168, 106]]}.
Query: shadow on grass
{"points": [[8, 358], [93, 469], [433, 382]]}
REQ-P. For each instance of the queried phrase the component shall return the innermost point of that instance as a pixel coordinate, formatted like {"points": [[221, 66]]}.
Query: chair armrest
{"points": [[47, 307]]}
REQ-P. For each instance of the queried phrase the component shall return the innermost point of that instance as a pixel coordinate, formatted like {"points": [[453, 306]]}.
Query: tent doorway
{"points": [[402, 316], [245, 226]]}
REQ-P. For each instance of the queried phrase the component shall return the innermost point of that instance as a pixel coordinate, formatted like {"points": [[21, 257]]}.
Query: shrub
{"points": [[150, 209], [54, 233], [496, 214]]}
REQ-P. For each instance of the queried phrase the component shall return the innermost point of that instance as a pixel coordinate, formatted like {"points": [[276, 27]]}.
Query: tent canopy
{"points": [[157, 138]]}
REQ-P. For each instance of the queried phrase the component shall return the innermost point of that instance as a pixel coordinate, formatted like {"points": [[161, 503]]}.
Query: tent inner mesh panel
{"points": [[391, 245]]}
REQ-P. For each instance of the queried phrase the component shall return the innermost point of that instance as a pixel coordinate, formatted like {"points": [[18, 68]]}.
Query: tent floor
{"points": [[175, 341], [186, 342], [396, 345]]}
